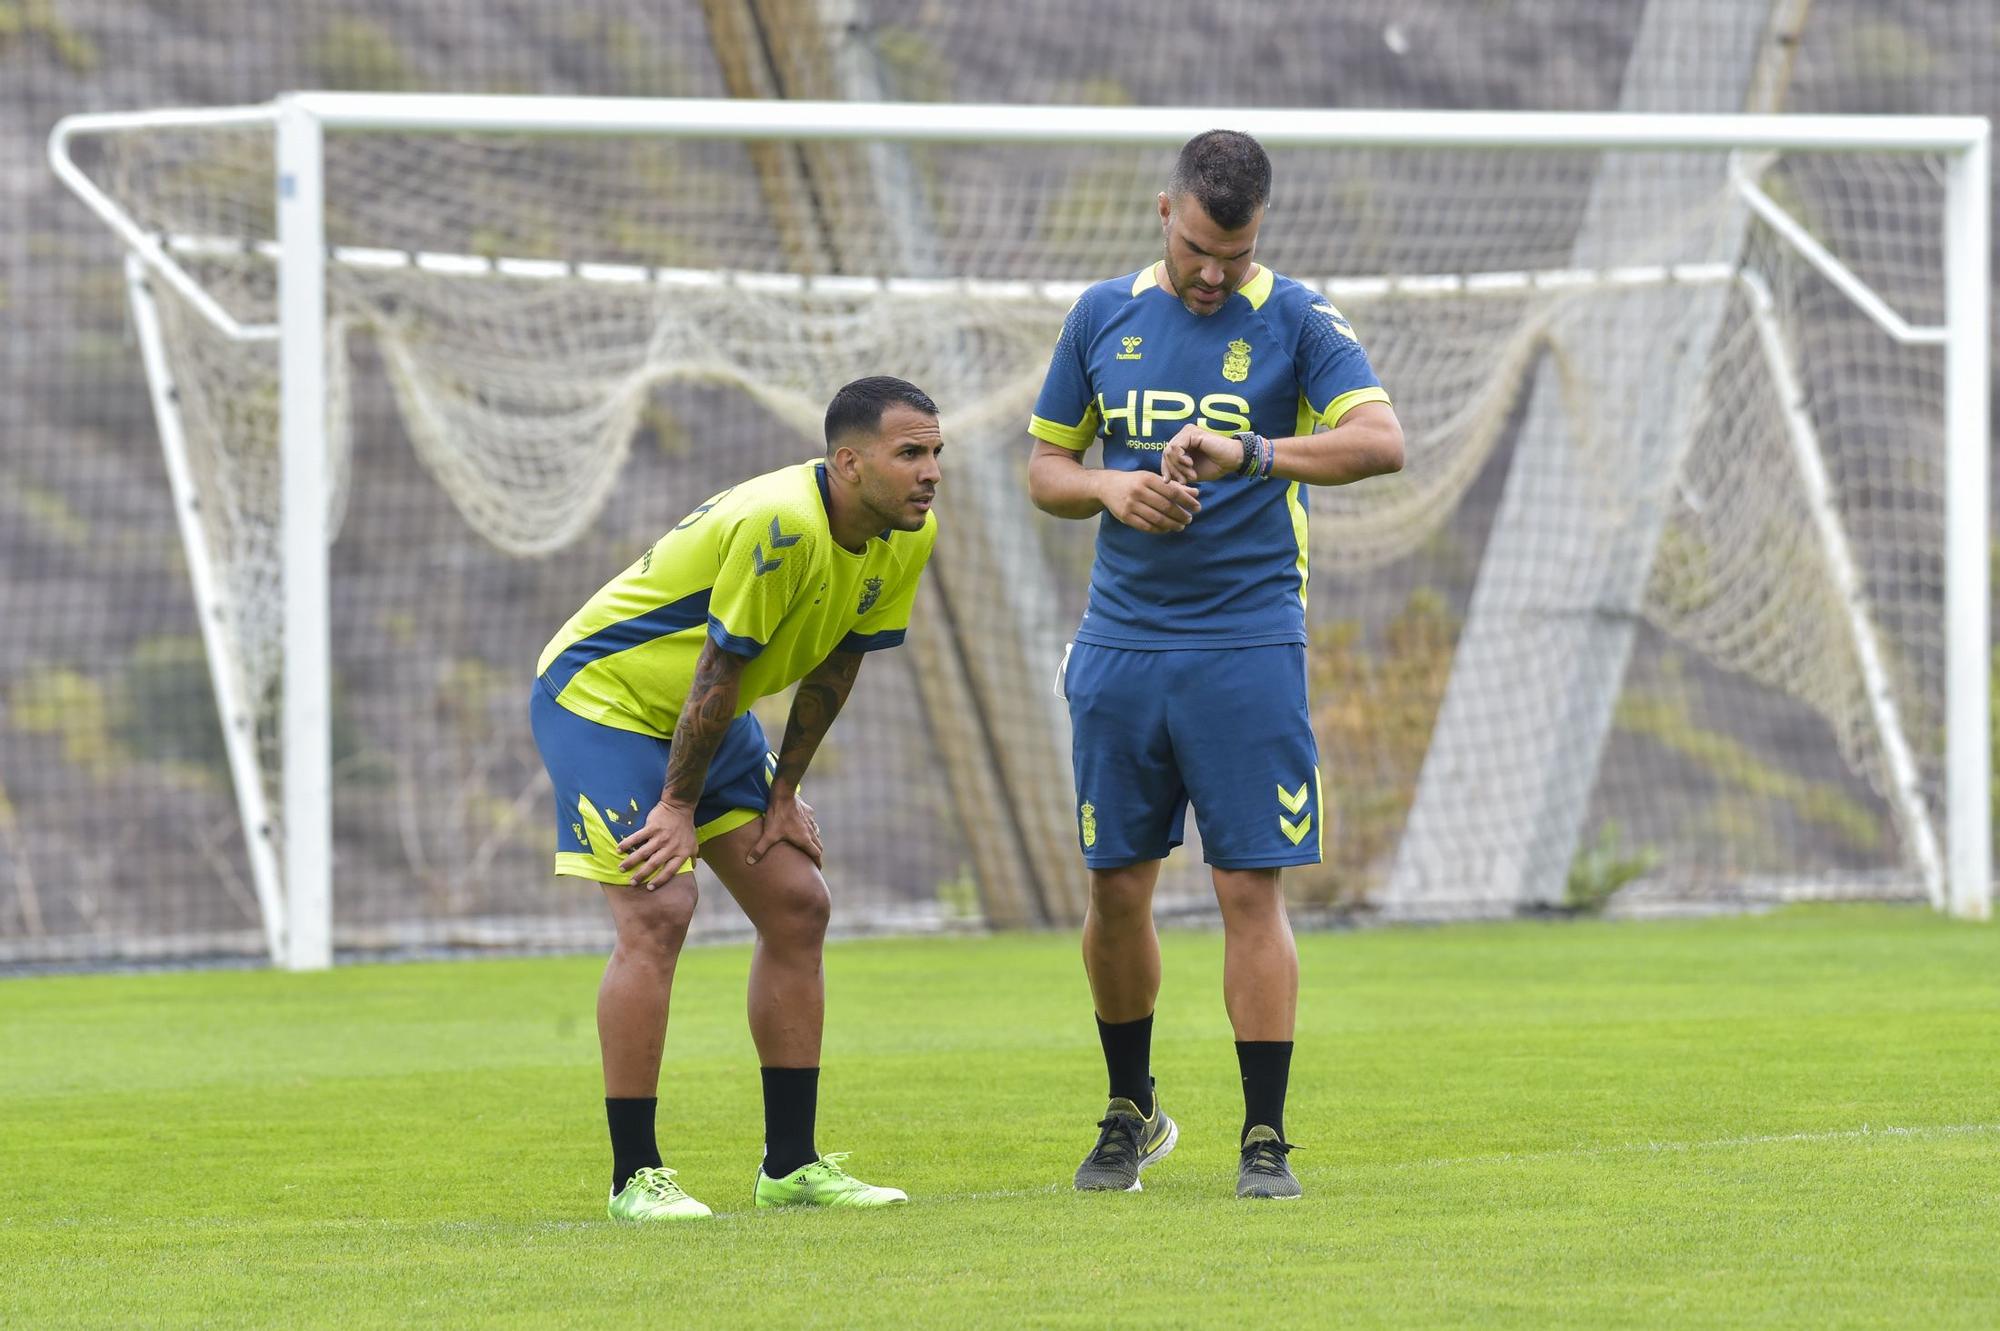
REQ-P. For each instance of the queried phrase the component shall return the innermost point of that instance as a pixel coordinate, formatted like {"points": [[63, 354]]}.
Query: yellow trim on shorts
{"points": [[1319, 807], [728, 822], [575, 864], [601, 864]]}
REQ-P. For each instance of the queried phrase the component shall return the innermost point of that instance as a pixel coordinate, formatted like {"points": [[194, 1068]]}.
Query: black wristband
{"points": [[1252, 453]]}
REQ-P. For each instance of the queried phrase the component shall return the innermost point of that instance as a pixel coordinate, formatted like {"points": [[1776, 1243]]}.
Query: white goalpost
{"points": [[1724, 548]]}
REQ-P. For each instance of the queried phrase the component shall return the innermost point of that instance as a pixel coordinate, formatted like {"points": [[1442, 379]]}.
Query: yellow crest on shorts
{"points": [[1236, 362], [1087, 815]]}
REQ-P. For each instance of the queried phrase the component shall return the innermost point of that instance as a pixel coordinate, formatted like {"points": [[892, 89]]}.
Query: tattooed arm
{"points": [[657, 850], [818, 700], [705, 719]]}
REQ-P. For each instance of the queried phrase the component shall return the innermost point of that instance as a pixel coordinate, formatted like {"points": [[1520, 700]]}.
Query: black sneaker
{"points": [[1127, 1142], [1264, 1172]]}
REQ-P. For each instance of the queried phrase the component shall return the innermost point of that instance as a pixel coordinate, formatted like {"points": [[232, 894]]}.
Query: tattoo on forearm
{"points": [[819, 699], [705, 718]]}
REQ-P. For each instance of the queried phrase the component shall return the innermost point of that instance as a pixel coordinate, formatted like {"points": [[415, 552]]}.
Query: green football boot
{"points": [[823, 1183], [1127, 1141], [1264, 1172], [652, 1194]]}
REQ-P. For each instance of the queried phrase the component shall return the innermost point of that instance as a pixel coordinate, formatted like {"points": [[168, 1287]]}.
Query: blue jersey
{"points": [[1132, 367]]}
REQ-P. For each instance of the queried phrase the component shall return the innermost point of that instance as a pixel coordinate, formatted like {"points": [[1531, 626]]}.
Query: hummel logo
{"points": [[1131, 351], [779, 541], [1294, 800], [1338, 320]]}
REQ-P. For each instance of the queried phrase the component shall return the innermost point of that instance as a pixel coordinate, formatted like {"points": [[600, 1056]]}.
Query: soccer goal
{"points": [[1682, 594]]}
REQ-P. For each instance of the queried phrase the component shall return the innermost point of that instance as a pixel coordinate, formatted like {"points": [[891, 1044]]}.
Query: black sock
{"points": [[1266, 1067], [1128, 1057], [791, 1102], [632, 1145]]}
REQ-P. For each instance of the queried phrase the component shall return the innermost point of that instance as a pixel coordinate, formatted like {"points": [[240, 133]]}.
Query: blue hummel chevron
{"points": [[779, 541]]}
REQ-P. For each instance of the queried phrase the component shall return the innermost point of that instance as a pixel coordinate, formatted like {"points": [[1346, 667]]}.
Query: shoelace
{"points": [[1118, 1141], [828, 1165], [658, 1182], [1266, 1157]]}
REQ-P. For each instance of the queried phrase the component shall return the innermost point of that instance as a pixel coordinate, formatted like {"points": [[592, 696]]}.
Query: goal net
{"points": [[1656, 607]]}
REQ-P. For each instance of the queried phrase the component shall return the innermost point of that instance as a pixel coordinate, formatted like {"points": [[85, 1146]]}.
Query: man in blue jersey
{"points": [[641, 711], [1221, 392]]}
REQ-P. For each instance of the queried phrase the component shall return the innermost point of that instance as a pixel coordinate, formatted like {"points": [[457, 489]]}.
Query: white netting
{"points": [[1599, 472]]}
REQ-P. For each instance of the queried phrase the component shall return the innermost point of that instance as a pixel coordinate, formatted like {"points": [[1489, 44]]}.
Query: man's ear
{"points": [[846, 462]]}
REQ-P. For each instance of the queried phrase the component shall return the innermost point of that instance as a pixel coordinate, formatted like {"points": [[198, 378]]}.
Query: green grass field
{"points": [[1779, 1121]]}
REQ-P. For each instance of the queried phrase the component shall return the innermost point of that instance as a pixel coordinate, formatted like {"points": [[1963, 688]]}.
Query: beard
{"points": [[1184, 285]]}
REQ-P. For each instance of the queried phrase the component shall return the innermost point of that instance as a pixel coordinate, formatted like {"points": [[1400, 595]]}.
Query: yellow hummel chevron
{"points": [[1293, 800], [1295, 831]]}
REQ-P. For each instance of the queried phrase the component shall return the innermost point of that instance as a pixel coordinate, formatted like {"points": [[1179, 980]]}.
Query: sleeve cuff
{"points": [[1075, 438], [1347, 402], [871, 642], [747, 648]]}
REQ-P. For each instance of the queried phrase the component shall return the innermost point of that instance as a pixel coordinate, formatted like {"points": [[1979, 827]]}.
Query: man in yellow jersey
{"points": [[641, 712]]}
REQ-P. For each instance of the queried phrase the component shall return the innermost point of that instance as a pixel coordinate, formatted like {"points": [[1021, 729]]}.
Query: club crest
{"points": [[871, 591], [1087, 815], [1236, 362]]}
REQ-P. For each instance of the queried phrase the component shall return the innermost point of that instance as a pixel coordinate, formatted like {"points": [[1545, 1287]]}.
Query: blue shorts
{"points": [[607, 780], [1226, 729]]}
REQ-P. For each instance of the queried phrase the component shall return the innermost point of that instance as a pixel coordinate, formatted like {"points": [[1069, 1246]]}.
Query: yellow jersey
{"points": [[756, 570]]}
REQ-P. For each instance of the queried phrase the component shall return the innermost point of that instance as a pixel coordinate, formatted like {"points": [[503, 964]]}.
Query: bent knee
{"points": [[658, 922], [812, 909], [799, 915]]}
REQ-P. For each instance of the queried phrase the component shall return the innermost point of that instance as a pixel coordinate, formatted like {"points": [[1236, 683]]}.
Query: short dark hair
{"points": [[859, 405], [1227, 172]]}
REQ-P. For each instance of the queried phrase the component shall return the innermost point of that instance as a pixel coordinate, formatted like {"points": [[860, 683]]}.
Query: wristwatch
{"points": [[1252, 451]]}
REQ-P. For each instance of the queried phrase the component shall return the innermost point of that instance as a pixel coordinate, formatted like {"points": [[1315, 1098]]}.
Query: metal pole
{"points": [[699, 117], [1968, 651], [1905, 788], [308, 785], [214, 613]]}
